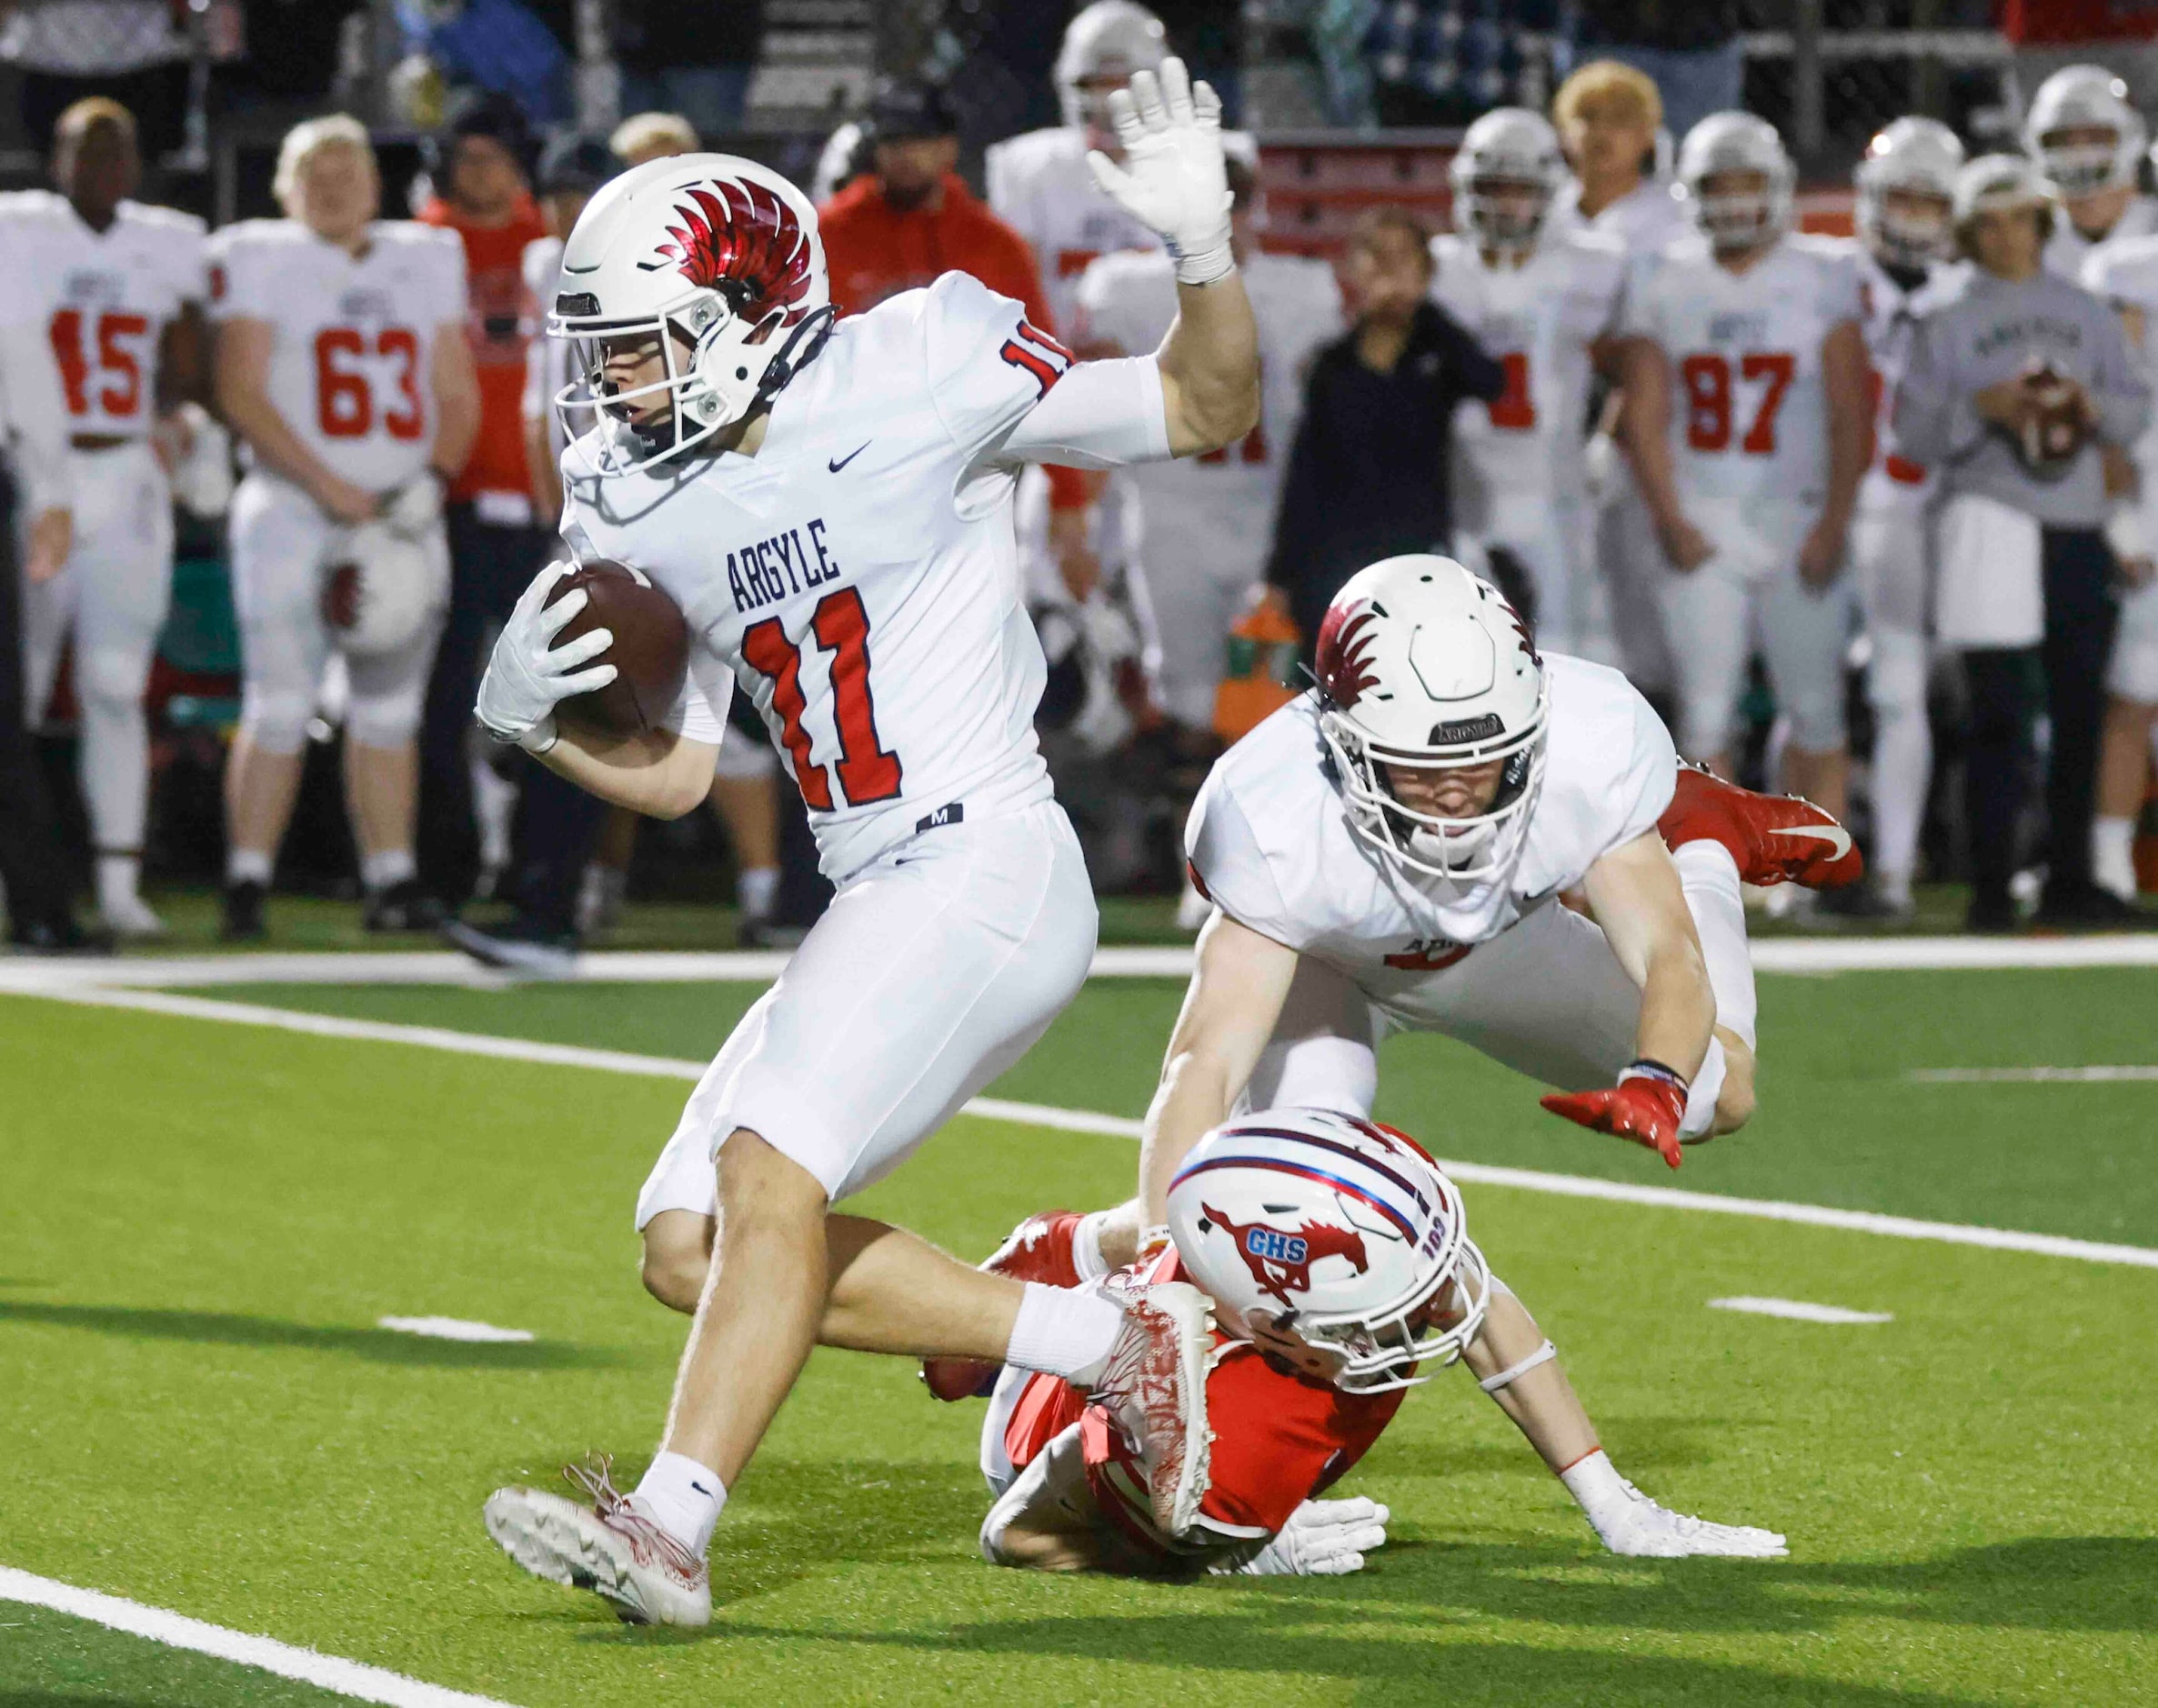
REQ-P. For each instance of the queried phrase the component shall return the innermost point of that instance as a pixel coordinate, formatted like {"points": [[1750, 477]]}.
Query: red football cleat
{"points": [[1774, 838], [1038, 1249]]}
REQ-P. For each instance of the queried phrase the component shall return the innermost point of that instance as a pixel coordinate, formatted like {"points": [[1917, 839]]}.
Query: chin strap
{"points": [[802, 346]]}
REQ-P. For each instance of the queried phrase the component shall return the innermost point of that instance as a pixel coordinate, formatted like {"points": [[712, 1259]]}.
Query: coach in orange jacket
{"points": [[911, 216]]}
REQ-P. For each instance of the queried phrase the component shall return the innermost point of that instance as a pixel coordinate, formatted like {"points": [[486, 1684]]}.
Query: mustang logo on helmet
{"points": [[742, 236], [1346, 637], [1281, 1258]]}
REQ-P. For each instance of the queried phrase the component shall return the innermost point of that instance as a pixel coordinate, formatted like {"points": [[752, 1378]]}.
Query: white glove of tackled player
{"points": [[1173, 176], [1640, 1527], [529, 676], [1323, 1539]]}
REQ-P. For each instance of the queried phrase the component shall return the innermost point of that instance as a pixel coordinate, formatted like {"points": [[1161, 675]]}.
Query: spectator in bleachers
{"points": [[1690, 48], [500, 47], [131, 50], [644, 137], [1368, 474], [2014, 379], [1447, 62], [693, 59], [911, 216]]}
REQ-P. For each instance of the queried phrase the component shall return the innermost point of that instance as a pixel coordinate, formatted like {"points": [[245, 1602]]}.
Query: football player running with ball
{"points": [[830, 506], [1338, 1256]]}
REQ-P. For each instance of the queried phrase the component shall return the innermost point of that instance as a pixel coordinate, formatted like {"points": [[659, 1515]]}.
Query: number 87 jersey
{"points": [[352, 362], [1748, 422]]}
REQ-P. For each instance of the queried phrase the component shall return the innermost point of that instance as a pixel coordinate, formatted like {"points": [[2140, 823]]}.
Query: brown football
{"points": [[2053, 424], [651, 650]]}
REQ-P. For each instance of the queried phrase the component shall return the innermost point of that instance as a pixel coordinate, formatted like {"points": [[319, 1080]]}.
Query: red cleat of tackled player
{"points": [[1774, 838], [1038, 1249]]}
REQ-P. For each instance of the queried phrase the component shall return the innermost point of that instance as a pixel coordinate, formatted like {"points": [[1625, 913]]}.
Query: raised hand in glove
{"points": [[1323, 1539], [529, 676], [1173, 177], [1647, 1106]]}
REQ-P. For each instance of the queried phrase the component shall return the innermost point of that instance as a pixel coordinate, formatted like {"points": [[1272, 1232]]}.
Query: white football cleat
{"points": [[1644, 1529], [1154, 1383], [131, 920], [610, 1547]]}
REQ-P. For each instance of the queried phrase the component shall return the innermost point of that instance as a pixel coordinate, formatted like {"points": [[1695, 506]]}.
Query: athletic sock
{"points": [[1710, 878], [386, 869], [118, 878], [2113, 856], [684, 1499], [756, 890], [1596, 1485], [1065, 1331], [1086, 1247], [246, 866]]}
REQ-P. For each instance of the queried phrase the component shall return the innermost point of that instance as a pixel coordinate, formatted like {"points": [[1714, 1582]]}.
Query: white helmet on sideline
{"points": [[717, 258], [1509, 148], [1728, 143], [1424, 667], [1110, 39], [383, 589], [1912, 157], [2084, 98], [1337, 1229]]}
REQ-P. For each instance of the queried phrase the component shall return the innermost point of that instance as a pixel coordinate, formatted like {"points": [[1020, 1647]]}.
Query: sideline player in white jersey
{"points": [[1906, 187], [1205, 521], [342, 363], [1750, 470], [1541, 302], [831, 505], [1395, 851], [2089, 141], [2125, 273], [121, 287]]}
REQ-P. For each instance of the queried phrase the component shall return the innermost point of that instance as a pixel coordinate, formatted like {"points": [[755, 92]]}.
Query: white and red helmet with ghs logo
{"points": [[720, 259], [1423, 665], [1338, 1229]]}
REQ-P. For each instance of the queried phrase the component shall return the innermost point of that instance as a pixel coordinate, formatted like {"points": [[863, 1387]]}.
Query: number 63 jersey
{"points": [[859, 578], [351, 367], [1748, 425]]}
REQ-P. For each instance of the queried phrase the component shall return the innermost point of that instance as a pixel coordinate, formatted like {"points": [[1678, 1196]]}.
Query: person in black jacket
{"points": [[1368, 474]]}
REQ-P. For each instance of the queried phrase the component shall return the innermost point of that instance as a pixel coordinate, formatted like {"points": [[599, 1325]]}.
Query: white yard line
{"points": [[176, 1631], [455, 1329], [2031, 1076], [1113, 1126], [435, 967], [1798, 1309]]}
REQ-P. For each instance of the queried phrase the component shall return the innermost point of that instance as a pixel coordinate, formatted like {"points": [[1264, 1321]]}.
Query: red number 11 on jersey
{"points": [[842, 626]]}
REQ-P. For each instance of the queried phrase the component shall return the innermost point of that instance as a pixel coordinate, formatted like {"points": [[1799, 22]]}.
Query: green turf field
{"points": [[201, 1224]]}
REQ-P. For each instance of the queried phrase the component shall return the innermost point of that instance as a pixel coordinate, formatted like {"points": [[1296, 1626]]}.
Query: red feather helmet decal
{"points": [[1344, 653], [743, 240]]}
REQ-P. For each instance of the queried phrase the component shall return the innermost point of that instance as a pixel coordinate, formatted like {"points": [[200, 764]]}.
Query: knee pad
{"points": [[1896, 678], [113, 676], [388, 697], [1817, 722], [274, 719], [1704, 728]]}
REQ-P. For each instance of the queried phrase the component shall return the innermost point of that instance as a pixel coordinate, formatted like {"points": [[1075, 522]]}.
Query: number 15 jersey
{"points": [[1749, 420], [859, 577], [352, 367]]}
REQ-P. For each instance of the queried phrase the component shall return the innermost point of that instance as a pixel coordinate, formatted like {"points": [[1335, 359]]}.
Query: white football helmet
{"points": [[383, 589], [1731, 219], [1916, 158], [719, 260], [2084, 98], [1111, 38], [1336, 1228], [1422, 666], [1508, 149]]}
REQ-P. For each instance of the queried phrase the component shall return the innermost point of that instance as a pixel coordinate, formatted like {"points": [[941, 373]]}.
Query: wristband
{"points": [[1205, 262], [1514, 1372], [1649, 1068]]}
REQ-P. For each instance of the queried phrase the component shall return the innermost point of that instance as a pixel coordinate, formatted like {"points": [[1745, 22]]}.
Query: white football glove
{"points": [[529, 676], [1323, 1539], [1640, 1527], [1173, 177], [414, 508]]}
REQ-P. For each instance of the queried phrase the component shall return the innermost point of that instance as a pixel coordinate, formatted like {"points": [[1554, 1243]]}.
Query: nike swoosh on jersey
{"points": [[842, 462], [1834, 835]]}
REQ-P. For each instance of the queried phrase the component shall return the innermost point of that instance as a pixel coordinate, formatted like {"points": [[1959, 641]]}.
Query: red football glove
{"points": [[1647, 1106]]}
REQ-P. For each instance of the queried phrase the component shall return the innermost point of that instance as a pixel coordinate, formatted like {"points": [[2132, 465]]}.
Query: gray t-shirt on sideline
{"points": [[1971, 330]]}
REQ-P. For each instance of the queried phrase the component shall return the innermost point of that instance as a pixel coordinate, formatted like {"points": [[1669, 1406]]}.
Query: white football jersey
{"points": [[2068, 249], [1516, 454], [352, 368], [1647, 216], [2124, 272], [106, 298], [857, 577], [1214, 515], [548, 362], [1039, 183], [1887, 323], [1270, 839], [1749, 417]]}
